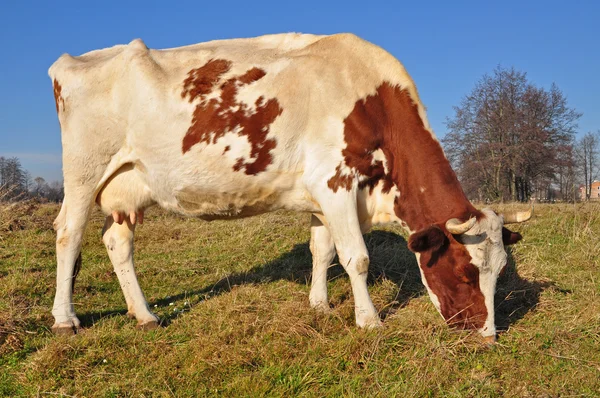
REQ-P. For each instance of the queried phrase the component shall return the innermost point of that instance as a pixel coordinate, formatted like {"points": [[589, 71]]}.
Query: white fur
{"points": [[484, 244]]}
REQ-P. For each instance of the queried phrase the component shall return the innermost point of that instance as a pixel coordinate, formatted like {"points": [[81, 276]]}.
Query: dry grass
{"points": [[233, 298]]}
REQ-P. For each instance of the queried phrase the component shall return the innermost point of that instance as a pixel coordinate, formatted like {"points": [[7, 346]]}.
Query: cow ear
{"points": [[509, 237], [430, 238]]}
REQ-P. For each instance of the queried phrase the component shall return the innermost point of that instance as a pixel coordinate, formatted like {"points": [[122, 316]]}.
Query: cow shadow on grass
{"points": [[516, 296], [389, 259]]}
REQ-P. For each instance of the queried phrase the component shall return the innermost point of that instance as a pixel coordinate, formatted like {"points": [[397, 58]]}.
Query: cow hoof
{"points": [[130, 315], [374, 325], [321, 307], [489, 341], [150, 325], [66, 329], [370, 324]]}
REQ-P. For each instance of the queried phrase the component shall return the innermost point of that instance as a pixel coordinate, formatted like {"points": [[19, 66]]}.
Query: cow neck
{"points": [[430, 192]]}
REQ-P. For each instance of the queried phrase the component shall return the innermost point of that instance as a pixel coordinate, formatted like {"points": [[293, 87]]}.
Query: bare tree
{"points": [[587, 151], [13, 178], [27, 180], [508, 137], [566, 174], [55, 191], [40, 188]]}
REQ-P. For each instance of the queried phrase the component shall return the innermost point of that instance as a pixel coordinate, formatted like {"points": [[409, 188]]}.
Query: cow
{"points": [[327, 125]]}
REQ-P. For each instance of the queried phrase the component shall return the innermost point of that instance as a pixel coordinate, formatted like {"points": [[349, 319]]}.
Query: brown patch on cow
{"points": [[430, 194], [339, 181], [226, 149], [389, 121], [214, 118], [201, 81], [238, 164], [360, 126], [58, 99], [252, 75]]}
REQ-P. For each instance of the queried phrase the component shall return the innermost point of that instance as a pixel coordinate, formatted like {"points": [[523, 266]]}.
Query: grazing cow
{"points": [[330, 125]]}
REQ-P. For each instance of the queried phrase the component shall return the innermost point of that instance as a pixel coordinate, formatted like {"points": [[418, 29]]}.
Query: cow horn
{"points": [[455, 227], [519, 216]]}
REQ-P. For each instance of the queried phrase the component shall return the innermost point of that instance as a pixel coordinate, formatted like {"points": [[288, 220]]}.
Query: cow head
{"points": [[460, 261]]}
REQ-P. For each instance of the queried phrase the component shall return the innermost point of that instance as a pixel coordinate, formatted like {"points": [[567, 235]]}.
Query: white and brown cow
{"points": [[330, 125]]}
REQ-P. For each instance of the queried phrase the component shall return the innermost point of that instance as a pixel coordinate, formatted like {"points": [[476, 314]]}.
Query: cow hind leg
{"points": [[323, 252], [118, 239], [69, 226], [340, 210]]}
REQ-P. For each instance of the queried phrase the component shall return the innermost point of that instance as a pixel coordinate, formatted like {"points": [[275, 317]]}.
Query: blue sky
{"points": [[446, 47]]}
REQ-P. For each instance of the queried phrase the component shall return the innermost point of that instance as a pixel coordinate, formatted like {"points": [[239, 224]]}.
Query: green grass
{"points": [[233, 299]]}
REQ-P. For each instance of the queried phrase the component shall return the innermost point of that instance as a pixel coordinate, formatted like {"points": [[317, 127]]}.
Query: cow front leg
{"points": [[340, 210], [118, 239], [323, 252]]}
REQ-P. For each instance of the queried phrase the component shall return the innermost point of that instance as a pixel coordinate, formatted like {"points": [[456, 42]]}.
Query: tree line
{"points": [[511, 140], [16, 183]]}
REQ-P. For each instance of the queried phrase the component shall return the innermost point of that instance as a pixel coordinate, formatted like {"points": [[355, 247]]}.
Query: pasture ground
{"points": [[233, 299]]}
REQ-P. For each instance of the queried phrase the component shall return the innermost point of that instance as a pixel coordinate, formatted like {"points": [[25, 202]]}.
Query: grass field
{"points": [[233, 300]]}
